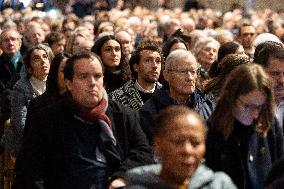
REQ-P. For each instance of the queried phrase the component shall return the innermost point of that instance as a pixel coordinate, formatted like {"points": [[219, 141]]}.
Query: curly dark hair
{"points": [[135, 56]]}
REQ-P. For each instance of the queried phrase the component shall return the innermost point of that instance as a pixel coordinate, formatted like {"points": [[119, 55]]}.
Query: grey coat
{"points": [[146, 177], [22, 94]]}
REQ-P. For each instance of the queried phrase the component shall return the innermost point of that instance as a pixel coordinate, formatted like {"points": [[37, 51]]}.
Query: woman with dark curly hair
{"points": [[117, 70]]}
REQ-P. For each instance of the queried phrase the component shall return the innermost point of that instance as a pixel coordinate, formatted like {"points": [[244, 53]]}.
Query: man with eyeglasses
{"points": [[145, 65], [271, 57], [10, 65], [180, 73]]}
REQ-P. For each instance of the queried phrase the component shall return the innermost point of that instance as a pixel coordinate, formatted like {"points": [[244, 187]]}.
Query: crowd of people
{"points": [[142, 98]]}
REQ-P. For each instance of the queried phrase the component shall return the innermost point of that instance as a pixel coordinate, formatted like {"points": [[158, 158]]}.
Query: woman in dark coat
{"points": [[244, 139], [117, 71]]}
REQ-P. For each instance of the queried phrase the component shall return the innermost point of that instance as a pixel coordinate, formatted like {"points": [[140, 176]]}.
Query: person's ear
{"points": [[157, 144], [135, 67], [166, 75], [68, 84]]}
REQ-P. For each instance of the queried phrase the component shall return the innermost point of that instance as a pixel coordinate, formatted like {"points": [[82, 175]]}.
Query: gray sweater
{"points": [[147, 177]]}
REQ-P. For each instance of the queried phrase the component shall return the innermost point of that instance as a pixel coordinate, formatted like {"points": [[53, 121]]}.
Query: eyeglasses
{"points": [[13, 39], [251, 107], [184, 72]]}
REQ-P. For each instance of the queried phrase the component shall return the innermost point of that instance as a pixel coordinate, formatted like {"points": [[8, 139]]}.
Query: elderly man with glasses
{"points": [[180, 74]]}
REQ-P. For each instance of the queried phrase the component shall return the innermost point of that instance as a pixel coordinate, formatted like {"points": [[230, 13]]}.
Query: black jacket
{"points": [[55, 140], [244, 156], [7, 70]]}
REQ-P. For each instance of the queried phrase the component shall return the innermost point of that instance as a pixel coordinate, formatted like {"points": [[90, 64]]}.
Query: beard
{"points": [[150, 80]]}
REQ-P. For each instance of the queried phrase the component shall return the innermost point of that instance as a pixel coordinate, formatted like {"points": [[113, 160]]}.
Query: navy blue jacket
{"points": [[201, 103]]}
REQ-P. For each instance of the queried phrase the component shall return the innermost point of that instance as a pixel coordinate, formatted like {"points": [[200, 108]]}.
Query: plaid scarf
{"points": [[106, 150]]}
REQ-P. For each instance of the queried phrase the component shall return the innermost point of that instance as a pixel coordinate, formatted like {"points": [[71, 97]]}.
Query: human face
{"points": [[248, 106], [11, 42], [247, 36], [39, 64], [86, 86], [181, 147], [182, 77], [69, 28], [178, 46], [111, 54], [240, 50], [77, 42], [58, 47], [207, 55], [126, 42], [36, 36], [275, 69], [60, 76], [149, 66], [107, 29]]}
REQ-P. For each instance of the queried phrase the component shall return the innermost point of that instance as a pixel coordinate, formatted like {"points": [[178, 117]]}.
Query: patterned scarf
{"points": [[106, 150]]}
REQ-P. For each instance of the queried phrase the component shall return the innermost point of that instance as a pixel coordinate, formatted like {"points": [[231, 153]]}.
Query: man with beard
{"points": [[145, 64]]}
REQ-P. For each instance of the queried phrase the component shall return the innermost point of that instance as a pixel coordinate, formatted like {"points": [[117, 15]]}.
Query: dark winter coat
{"points": [[200, 103], [57, 153], [245, 156]]}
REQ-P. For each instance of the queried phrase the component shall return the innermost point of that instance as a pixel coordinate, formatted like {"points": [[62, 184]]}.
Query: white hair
{"points": [[179, 54]]}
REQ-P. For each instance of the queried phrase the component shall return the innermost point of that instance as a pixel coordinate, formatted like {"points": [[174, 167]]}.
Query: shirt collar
{"points": [[138, 87]]}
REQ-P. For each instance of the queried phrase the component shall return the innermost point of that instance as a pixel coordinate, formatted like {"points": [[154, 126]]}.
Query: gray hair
{"points": [[179, 54], [19, 36], [202, 42]]}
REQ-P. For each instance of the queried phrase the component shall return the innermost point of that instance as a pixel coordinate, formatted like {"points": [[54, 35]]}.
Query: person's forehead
{"points": [[210, 44], [122, 35], [36, 30], [185, 123], [38, 52], [181, 62], [9, 33], [246, 29], [275, 63], [87, 65], [111, 43], [147, 53]]}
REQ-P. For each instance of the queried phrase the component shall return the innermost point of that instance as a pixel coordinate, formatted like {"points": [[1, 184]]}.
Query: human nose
{"points": [[190, 75], [187, 147], [255, 113]]}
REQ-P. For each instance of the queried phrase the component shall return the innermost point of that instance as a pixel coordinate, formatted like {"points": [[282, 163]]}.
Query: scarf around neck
{"points": [[106, 150]]}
